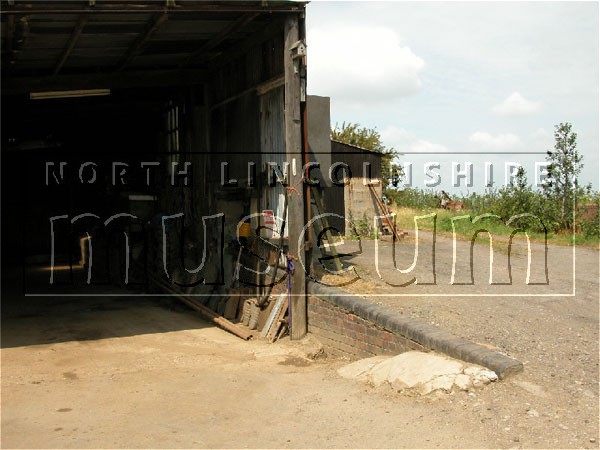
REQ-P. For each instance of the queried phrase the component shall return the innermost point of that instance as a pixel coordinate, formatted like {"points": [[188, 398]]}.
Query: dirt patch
{"points": [[294, 361], [351, 281]]}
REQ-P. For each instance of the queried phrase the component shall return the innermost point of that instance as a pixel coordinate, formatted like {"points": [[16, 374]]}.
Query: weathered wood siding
{"points": [[272, 142], [354, 201]]}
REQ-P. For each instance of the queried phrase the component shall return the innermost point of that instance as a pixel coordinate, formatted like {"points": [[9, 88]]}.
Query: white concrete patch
{"points": [[418, 372], [380, 373], [462, 382], [484, 377], [443, 383], [359, 370]]}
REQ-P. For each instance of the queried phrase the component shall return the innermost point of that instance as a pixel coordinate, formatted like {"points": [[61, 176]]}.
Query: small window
{"points": [[172, 132]]}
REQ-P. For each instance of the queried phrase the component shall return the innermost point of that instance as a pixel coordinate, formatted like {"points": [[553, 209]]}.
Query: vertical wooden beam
{"points": [[10, 33], [10, 40], [293, 147], [17, 33]]}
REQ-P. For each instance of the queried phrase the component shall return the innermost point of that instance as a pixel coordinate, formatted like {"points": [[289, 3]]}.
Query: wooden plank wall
{"points": [[354, 198]]}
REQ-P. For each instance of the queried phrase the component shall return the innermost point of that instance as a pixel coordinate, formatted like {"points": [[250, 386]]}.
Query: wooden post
{"points": [[293, 147]]}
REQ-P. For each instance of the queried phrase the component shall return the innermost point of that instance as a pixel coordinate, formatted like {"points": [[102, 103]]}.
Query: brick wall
{"points": [[350, 326], [345, 334]]}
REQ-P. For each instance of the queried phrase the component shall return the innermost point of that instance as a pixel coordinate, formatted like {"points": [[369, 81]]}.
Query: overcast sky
{"points": [[461, 77]]}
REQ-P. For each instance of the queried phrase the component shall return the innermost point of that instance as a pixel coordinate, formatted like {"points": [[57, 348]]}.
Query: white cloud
{"points": [[406, 142], [501, 141], [461, 79], [541, 134], [541, 139], [361, 63], [516, 105], [423, 146]]}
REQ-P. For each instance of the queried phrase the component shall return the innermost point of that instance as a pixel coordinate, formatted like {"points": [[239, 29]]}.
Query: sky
{"points": [[440, 78]]}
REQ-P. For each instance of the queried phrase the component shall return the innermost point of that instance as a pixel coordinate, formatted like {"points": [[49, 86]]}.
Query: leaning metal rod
{"points": [[265, 297], [307, 181]]}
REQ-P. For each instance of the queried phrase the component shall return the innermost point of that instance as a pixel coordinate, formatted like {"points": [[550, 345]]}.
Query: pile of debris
{"points": [[240, 310], [419, 373], [243, 316]]}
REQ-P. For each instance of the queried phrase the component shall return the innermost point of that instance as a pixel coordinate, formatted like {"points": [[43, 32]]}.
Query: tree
{"points": [[521, 193], [562, 186], [370, 139], [516, 199]]}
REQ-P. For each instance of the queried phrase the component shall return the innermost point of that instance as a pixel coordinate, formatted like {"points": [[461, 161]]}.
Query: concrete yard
{"points": [[146, 372], [122, 372]]}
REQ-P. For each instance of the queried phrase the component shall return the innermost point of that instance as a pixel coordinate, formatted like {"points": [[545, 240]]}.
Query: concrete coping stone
{"points": [[427, 335]]}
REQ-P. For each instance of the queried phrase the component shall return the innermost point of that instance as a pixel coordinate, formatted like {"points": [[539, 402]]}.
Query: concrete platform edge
{"points": [[427, 335]]}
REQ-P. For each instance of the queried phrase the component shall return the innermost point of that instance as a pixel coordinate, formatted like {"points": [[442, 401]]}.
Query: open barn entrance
{"points": [[63, 159], [66, 157], [117, 119]]}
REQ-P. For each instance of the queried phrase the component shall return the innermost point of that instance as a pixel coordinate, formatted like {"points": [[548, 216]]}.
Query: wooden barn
{"points": [[158, 127], [354, 196]]}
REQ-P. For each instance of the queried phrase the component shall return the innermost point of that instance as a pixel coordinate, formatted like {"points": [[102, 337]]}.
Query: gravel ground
{"points": [[552, 329]]}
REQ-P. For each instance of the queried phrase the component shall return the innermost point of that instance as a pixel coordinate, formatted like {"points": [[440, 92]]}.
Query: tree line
{"points": [[562, 205]]}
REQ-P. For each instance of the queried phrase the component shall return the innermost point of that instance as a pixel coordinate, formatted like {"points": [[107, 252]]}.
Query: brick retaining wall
{"points": [[349, 325], [348, 335]]}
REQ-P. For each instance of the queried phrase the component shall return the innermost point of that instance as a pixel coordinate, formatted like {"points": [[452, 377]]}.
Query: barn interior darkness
{"points": [[99, 100], [40, 134]]}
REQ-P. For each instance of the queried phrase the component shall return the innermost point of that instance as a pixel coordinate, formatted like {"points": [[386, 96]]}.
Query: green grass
{"points": [[465, 230]]}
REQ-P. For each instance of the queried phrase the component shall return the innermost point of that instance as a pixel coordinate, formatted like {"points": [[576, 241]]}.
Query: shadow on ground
{"points": [[32, 320]]}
